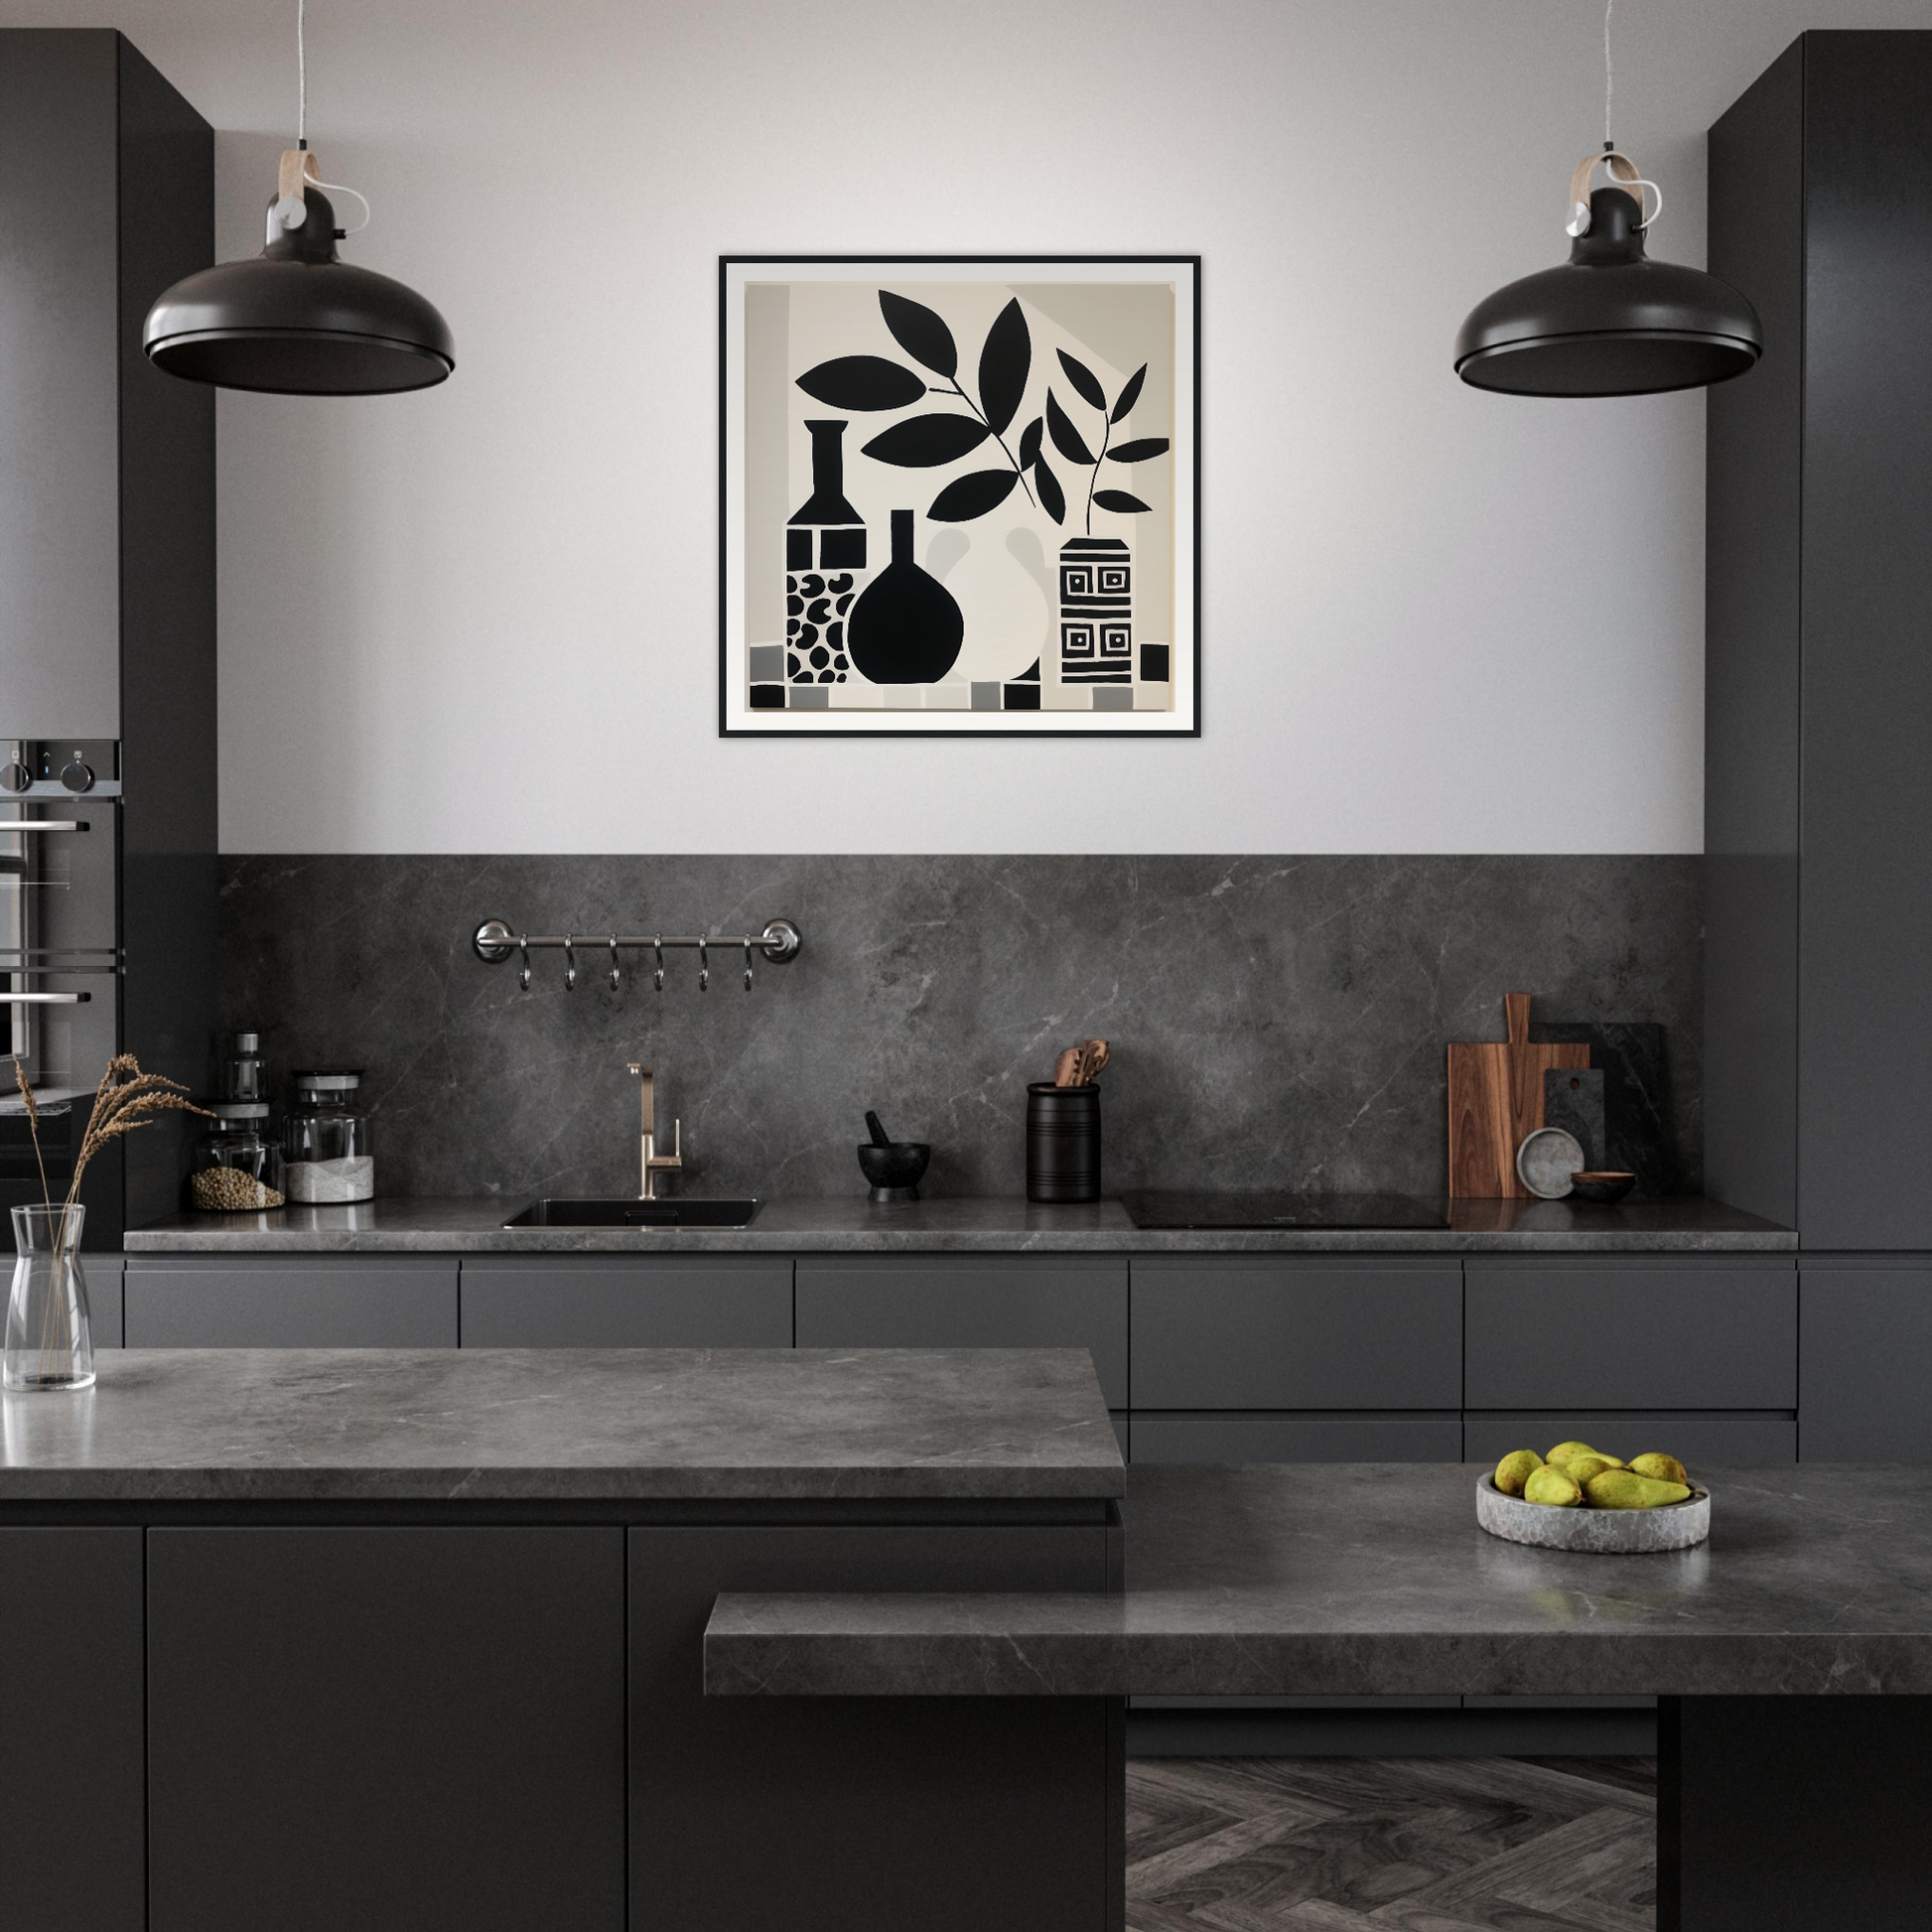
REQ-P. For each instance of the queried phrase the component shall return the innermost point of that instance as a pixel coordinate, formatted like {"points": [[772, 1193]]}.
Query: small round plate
{"points": [[1594, 1532], [1546, 1160]]}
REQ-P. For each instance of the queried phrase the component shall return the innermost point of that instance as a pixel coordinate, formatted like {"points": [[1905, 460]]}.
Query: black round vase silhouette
{"points": [[905, 628]]}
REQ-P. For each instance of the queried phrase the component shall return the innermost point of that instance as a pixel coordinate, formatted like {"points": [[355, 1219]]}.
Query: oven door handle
{"points": [[42, 825], [45, 998]]}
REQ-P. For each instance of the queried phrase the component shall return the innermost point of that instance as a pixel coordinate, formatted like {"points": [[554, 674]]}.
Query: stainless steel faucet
{"points": [[651, 1162]]}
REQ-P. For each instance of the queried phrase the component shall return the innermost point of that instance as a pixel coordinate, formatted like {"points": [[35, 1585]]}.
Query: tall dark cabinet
{"points": [[1818, 820], [107, 699]]}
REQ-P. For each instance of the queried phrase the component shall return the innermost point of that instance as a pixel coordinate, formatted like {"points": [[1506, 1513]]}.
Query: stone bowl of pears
{"points": [[1579, 1498]]}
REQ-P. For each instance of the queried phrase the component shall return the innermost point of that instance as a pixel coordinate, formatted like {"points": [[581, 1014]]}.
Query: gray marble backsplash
{"points": [[1275, 1022]]}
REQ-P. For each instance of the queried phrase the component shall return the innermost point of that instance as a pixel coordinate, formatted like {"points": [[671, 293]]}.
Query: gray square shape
{"points": [[1113, 697], [986, 697], [767, 663], [810, 697]]}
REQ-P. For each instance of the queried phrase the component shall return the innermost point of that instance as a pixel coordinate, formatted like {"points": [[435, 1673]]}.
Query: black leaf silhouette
{"points": [[1084, 380], [1130, 395], [922, 333], [1066, 439], [1030, 442], [1141, 452], [1051, 501], [973, 495], [923, 442], [1118, 500], [1005, 363], [862, 382]]}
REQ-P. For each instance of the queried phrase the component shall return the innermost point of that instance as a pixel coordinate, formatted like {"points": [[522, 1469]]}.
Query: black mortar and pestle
{"points": [[893, 1166]]}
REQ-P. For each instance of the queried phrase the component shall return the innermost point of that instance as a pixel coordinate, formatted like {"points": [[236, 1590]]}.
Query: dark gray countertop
{"points": [[1373, 1580], [960, 1225], [565, 1425]]}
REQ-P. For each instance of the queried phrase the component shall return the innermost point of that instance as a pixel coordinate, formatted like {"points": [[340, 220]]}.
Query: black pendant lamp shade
{"points": [[1609, 322], [297, 320]]}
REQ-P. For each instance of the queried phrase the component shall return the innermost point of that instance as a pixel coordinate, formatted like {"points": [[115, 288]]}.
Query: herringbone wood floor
{"points": [[1391, 1844]]}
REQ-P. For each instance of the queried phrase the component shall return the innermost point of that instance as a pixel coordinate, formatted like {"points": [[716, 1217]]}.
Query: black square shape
{"points": [[842, 550], [1022, 697], [768, 697], [798, 550], [1153, 663]]}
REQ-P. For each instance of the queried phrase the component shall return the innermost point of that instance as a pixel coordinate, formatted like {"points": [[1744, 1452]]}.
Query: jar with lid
{"points": [[237, 1163], [238, 1071], [326, 1138]]}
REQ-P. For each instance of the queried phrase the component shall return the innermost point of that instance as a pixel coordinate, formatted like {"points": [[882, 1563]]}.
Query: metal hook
{"points": [[704, 969], [657, 946], [523, 947], [616, 972], [570, 962], [748, 965]]}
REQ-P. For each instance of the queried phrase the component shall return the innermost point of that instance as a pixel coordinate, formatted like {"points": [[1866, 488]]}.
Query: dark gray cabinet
{"points": [[1817, 704], [942, 1301], [1546, 1333], [291, 1301], [1266, 1332], [1700, 1437], [72, 1775], [427, 1724], [103, 1273], [622, 1302], [1359, 1438], [1866, 1394]]}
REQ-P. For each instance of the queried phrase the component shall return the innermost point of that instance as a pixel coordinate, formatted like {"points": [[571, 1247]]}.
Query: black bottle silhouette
{"points": [[825, 552], [905, 628]]}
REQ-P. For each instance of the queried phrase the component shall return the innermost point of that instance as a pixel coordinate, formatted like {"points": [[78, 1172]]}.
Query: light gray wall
{"points": [[1413, 642]]}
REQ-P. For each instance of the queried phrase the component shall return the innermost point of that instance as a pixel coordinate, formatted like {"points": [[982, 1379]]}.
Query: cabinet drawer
{"points": [[1631, 1336], [1017, 1302], [1865, 1393], [599, 1302], [1698, 1439], [280, 1302], [103, 1273], [1263, 1333], [1297, 1438]]}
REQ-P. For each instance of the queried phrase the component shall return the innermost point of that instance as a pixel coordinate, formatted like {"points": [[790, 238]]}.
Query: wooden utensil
{"points": [[1066, 1066], [1100, 1054], [1496, 1101]]}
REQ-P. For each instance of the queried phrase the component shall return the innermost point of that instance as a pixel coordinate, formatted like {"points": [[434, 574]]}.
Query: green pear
{"points": [[1580, 1468], [1621, 1490], [1565, 1450], [1516, 1469], [1664, 1469], [1550, 1485]]}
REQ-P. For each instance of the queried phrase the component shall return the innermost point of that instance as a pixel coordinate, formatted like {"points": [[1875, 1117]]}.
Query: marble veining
{"points": [[1275, 1022], [1374, 1580], [302, 1425], [962, 1225]]}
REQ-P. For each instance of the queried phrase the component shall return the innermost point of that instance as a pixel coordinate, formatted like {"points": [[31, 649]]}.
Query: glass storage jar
{"points": [[326, 1139], [239, 1161], [238, 1073]]}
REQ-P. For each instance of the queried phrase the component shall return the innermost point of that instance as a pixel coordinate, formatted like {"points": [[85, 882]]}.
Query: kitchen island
{"points": [[1793, 1651], [413, 1638]]}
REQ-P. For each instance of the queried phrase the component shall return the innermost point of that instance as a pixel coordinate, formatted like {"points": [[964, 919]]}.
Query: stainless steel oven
{"points": [[60, 960]]}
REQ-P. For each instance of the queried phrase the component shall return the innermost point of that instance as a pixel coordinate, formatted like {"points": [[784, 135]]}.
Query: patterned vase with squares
{"points": [[1096, 611]]}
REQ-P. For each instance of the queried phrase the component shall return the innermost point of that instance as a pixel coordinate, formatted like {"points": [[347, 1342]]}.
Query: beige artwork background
{"points": [[1002, 566]]}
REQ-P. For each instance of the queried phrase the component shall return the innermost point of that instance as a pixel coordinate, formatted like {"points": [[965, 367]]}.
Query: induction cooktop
{"points": [[1159, 1209]]}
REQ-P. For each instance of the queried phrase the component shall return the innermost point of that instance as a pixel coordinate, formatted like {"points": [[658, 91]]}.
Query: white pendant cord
{"points": [[302, 129]]}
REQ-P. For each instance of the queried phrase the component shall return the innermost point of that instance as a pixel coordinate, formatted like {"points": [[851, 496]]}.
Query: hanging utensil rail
{"points": [[494, 941]]}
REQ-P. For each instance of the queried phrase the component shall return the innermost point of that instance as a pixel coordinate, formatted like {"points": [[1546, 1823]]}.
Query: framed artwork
{"points": [[959, 495]]}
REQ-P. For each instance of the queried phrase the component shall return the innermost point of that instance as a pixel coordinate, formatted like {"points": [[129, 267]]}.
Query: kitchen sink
{"points": [[634, 1214]]}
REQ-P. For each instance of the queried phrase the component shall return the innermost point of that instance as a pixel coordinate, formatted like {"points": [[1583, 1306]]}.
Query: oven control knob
{"points": [[15, 776], [77, 777]]}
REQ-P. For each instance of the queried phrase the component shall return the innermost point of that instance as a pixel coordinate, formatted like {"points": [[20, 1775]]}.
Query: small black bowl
{"points": [[1603, 1186], [895, 1170]]}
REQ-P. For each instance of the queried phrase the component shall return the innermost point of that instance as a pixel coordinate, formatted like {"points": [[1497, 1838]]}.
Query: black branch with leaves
{"points": [[925, 441], [1071, 444]]}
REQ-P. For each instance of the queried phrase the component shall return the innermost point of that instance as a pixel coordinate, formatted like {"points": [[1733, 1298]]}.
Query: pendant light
{"points": [[1609, 322], [297, 320]]}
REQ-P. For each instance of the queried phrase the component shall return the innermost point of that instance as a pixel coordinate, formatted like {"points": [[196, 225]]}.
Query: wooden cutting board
{"points": [[1495, 1099]]}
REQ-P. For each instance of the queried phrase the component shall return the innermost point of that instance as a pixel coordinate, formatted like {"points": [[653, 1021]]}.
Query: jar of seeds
{"points": [[237, 1163]]}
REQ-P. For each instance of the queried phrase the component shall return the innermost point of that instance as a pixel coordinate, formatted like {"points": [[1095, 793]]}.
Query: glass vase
{"points": [[49, 1339]]}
